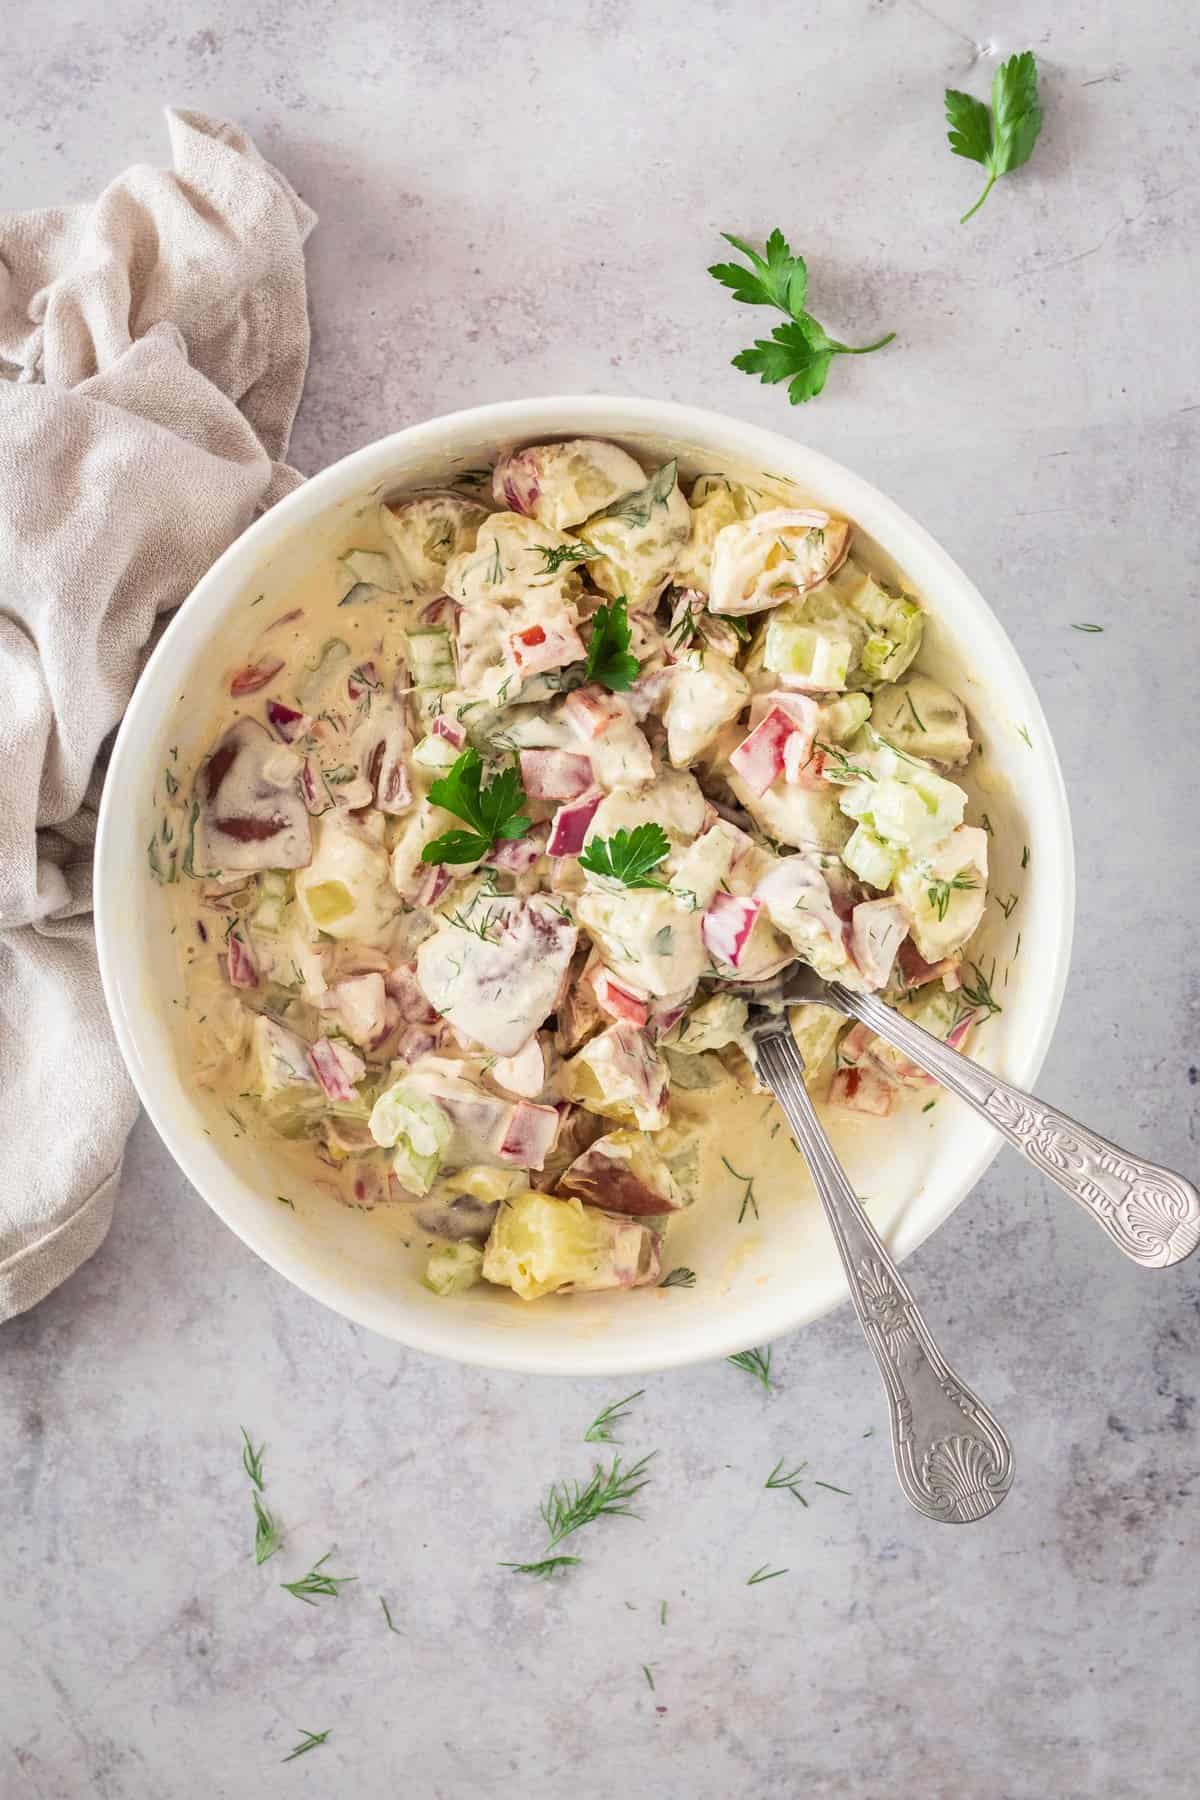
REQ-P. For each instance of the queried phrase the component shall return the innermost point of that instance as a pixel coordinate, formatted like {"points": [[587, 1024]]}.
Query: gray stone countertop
{"points": [[523, 200]]}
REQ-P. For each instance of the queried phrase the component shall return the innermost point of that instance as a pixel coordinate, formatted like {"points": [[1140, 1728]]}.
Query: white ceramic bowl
{"points": [[754, 1281]]}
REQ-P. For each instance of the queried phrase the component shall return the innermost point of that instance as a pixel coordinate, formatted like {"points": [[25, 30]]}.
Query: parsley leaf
{"points": [[492, 811], [609, 660], [628, 856], [1002, 138], [801, 351]]}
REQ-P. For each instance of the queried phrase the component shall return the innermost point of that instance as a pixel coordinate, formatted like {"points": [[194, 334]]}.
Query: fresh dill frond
{"points": [[938, 893], [317, 1582], [559, 554], [387, 1615], [831, 1488], [756, 1363], [252, 1459], [763, 1573], [266, 1532], [979, 998], [569, 1506], [542, 1571], [600, 1431], [789, 1480], [646, 1667], [748, 1198], [310, 1739]]}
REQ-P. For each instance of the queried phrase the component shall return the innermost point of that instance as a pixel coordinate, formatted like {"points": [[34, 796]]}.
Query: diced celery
{"points": [[371, 568], [416, 1129], [435, 752], [274, 892], [816, 1029], [332, 654], [453, 1268], [431, 659], [839, 719], [699, 1073], [870, 859], [820, 657]]}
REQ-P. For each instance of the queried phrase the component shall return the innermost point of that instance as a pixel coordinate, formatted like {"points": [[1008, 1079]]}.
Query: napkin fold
{"points": [[153, 346]]}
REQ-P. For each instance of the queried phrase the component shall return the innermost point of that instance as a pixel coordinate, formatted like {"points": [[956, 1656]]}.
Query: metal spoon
{"points": [[954, 1461], [1150, 1213]]}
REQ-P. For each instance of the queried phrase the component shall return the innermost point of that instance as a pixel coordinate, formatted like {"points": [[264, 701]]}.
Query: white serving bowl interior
{"points": [[754, 1280]]}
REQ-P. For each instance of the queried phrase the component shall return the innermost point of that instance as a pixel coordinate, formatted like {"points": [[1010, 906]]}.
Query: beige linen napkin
{"points": [[153, 347]]}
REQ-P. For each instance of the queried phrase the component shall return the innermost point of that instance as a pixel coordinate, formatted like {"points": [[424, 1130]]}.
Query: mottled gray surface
{"points": [[519, 208]]}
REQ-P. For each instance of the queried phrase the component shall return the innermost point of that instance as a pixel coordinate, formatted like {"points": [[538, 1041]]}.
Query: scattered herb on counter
{"points": [[754, 1362], [493, 812], [799, 352], [1000, 138], [542, 1571], [600, 1431], [309, 1742], [646, 1667], [662, 1613], [1087, 628], [829, 1485], [266, 1532], [610, 662], [387, 1615], [252, 1459], [788, 1480], [628, 856], [317, 1582], [568, 1506], [764, 1573], [680, 1277]]}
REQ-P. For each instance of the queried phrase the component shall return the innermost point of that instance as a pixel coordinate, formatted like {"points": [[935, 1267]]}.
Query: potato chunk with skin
{"points": [[760, 562], [560, 485], [497, 984], [622, 1172], [923, 717], [345, 890], [250, 814], [619, 1076], [541, 1244], [423, 534], [509, 559], [705, 692], [640, 539], [715, 502]]}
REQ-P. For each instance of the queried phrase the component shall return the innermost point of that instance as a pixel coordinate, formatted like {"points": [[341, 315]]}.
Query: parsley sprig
{"points": [[629, 856], [1000, 137], [610, 662], [801, 351], [493, 811]]}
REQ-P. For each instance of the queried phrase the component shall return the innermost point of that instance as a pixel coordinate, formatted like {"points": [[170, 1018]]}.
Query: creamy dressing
{"points": [[503, 989]]}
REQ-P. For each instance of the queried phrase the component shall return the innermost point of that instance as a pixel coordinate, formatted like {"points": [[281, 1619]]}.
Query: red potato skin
{"points": [[601, 1180]]}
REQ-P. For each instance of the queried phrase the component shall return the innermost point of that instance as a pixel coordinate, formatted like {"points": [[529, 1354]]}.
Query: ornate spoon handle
{"points": [[954, 1462], [1151, 1214]]}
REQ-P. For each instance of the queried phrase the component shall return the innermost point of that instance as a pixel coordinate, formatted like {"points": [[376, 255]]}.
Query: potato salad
{"points": [[494, 840]]}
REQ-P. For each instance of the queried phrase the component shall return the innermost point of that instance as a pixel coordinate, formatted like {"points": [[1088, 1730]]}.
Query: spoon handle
{"points": [[954, 1461], [1151, 1214]]}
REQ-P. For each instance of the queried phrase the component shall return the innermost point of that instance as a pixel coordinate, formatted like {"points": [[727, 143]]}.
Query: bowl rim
{"points": [[188, 630]]}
